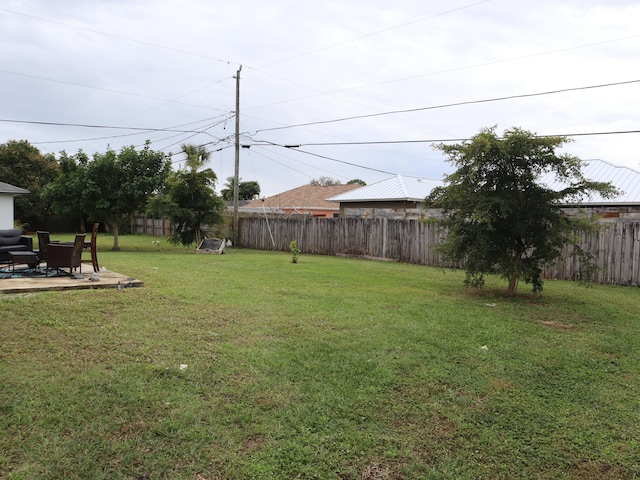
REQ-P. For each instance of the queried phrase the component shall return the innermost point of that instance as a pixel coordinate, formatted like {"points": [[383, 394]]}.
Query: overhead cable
{"points": [[449, 105]]}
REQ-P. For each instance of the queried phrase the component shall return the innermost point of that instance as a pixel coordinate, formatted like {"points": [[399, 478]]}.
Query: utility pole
{"points": [[236, 177]]}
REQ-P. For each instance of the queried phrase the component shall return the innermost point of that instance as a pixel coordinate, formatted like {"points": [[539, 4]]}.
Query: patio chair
{"points": [[43, 241], [91, 245], [61, 255]]}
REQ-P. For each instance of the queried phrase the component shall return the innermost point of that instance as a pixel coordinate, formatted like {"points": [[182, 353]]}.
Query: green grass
{"points": [[329, 368]]}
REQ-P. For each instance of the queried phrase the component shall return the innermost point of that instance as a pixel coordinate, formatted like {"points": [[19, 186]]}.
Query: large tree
{"points": [[120, 184], [501, 218], [22, 165]]}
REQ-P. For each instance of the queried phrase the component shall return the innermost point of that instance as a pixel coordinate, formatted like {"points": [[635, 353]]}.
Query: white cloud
{"points": [[120, 63]]}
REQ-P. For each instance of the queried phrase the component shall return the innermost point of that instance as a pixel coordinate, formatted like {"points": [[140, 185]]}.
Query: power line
{"points": [[340, 161], [119, 37], [257, 151], [456, 69], [148, 97], [86, 125], [339, 44], [448, 105], [357, 117], [439, 140]]}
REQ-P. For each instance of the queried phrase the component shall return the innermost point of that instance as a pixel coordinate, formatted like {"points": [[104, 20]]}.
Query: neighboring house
{"points": [[305, 200], [625, 207], [402, 197], [7, 192], [396, 197]]}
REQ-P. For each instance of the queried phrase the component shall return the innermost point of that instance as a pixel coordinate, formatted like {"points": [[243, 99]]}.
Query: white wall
{"points": [[6, 211]]}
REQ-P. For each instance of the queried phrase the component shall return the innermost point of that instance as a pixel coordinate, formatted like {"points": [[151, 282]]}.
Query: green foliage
{"points": [[192, 204], [357, 181], [246, 190], [65, 193], [324, 182], [22, 165], [197, 156], [500, 218], [293, 246], [109, 188]]}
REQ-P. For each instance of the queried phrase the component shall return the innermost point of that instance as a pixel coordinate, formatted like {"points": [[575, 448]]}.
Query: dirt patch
{"points": [[252, 443], [556, 325], [588, 470], [377, 471]]}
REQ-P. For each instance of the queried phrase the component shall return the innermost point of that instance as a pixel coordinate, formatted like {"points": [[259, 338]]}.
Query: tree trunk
{"points": [[116, 246], [513, 284], [515, 274]]}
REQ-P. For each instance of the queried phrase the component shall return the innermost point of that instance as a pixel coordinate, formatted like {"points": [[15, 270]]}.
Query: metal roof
{"points": [[6, 188], [395, 188], [624, 179], [402, 187]]}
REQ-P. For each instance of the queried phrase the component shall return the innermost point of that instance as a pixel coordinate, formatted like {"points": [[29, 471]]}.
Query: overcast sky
{"points": [[331, 77]]}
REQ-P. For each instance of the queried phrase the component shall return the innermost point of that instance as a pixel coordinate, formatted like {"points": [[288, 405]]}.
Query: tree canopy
{"points": [[357, 181], [109, 188], [500, 217], [192, 204], [120, 184], [22, 165], [324, 182], [197, 156], [246, 190], [65, 193]]}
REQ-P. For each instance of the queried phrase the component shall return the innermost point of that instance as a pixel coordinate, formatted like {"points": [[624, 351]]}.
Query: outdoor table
{"points": [[29, 258]]}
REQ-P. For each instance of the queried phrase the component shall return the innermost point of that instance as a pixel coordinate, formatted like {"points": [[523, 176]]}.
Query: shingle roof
{"points": [[395, 188], [306, 197], [6, 188]]}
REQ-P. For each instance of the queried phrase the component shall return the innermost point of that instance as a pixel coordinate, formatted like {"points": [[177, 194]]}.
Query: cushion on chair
{"points": [[10, 237], [21, 247]]}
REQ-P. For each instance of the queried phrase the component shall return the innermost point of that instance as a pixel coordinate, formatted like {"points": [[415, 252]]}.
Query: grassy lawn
{"points": [[246, 366]]}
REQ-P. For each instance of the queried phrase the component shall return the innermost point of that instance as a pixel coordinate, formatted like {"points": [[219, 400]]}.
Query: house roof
{"points": [[397, 188], [304, 198], [401, 187], [624, 179], [13, 190]]}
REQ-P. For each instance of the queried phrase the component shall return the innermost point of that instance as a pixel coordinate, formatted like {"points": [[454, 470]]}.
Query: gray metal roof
{"points": [[6, 188], [623, 178], [395, 188], [402, 187]]}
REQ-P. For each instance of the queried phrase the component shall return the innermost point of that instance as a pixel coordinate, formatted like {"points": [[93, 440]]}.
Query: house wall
{"points": [[607, 214], [6, 211], [316, 212], [601, 214]]}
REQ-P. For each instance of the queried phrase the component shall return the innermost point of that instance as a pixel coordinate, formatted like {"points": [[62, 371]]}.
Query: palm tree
{"points": [[197, 156]]}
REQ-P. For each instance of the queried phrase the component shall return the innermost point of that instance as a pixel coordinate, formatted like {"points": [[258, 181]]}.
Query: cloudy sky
{"points": [[359, 88]]}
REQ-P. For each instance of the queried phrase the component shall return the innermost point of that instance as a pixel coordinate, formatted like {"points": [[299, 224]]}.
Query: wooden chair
{"points": [[91, 245], [61, 255]]}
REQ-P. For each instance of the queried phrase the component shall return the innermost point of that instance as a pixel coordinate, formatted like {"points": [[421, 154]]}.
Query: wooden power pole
{"points": [[236, 177]]}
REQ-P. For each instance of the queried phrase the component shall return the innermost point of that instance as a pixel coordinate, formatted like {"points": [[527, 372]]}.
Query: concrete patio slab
{"points": [[107, 279]]}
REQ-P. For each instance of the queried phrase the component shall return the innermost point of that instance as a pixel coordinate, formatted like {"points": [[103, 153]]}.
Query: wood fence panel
{"points": [[615, 247]]}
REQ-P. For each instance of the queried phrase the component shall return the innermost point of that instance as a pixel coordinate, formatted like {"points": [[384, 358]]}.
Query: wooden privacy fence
{"points": [[151, 226], [616, 247]]}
